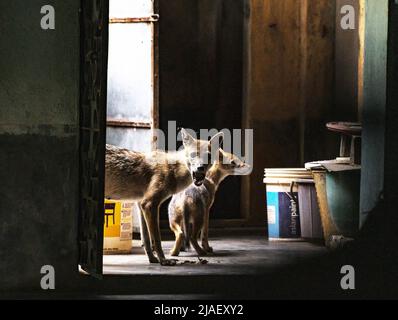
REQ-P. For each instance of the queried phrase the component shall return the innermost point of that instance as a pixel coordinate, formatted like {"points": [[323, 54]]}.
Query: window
{"points": [[131, 102]]}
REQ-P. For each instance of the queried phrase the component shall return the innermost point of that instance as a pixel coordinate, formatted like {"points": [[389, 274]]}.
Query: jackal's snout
{"points": [[199, 155]]}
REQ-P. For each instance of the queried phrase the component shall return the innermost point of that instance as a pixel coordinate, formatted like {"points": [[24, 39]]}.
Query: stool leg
{"points": [[345, 146], [355, 153]]}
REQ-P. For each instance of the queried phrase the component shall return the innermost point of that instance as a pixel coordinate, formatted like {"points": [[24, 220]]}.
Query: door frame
{"points": [[94, 40], [92, 122]]}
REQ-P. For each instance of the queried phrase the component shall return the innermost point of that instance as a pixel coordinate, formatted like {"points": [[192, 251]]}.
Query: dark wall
{"points": [[391, 145], [346, 63], [201, 74], [39, 99]]}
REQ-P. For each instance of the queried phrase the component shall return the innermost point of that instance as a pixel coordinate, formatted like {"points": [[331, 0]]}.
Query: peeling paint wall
{"points": [[374, 105], [289, 88], [39, 99]]}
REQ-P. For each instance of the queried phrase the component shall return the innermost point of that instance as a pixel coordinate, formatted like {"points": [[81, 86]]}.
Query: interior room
{"points": [[152, 79], [296, 100]]}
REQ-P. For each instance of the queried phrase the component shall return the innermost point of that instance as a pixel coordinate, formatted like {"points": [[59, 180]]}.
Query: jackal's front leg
{"points": [[145, 238], [179, 239], [194, 240], [151, 214], [205, 233]]}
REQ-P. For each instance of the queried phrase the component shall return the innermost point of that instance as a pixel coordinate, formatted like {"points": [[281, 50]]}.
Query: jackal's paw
{"points": [[168, 262], [174, 253], [201, 252], [208, 249]]}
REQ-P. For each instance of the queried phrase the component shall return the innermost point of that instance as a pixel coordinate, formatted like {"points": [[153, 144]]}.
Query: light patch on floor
{"points": [[232, 256]]}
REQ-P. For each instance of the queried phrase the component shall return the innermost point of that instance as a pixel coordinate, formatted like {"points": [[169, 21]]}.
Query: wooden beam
{"points": [[127, 124], [152, 18]]}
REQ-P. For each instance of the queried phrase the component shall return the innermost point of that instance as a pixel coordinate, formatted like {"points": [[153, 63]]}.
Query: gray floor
{"points": [[233, 255]]}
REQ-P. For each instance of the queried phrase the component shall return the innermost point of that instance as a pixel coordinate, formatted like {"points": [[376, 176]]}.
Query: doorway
{"points": [[131, 118]]}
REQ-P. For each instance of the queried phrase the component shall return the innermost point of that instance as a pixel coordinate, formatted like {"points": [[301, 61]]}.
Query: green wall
{"points": [[374, 105]]}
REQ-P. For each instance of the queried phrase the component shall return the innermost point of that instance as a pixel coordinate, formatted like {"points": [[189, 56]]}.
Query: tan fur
{"points": [[189, 209], [152, 178]]}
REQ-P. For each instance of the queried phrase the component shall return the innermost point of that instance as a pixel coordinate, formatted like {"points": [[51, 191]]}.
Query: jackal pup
{"points": [[151, 178], [189, 209]]}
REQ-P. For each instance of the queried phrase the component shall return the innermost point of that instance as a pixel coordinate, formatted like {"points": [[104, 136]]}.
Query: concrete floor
{"points": [[244, 266], [233, 255]]}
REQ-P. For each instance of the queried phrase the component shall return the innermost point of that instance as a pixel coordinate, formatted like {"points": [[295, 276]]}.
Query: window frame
{"points": [[154, 123]]}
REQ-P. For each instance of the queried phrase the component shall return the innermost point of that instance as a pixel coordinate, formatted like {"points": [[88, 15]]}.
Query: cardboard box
{"points": [[118, 227]]}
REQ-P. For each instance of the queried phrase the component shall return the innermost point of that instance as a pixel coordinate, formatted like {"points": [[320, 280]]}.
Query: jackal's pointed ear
{"points": [[187, 139], [217, 139], [221, 155]]}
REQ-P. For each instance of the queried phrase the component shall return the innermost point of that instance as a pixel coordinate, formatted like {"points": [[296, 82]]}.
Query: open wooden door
{"points": [[93, 86]]}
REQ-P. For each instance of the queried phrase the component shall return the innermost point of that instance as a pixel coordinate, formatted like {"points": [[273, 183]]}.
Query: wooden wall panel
{"points": [[318, 82], [201, 45], [288, 87], [286, 50], [346, 72]]}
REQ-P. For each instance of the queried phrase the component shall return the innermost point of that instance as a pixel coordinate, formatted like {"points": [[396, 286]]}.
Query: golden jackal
{"points": [[189, 209]]}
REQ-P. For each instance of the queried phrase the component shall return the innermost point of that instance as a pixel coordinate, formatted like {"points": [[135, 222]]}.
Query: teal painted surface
{"points": [[343, 189], [373, 140], [272, 201]]}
